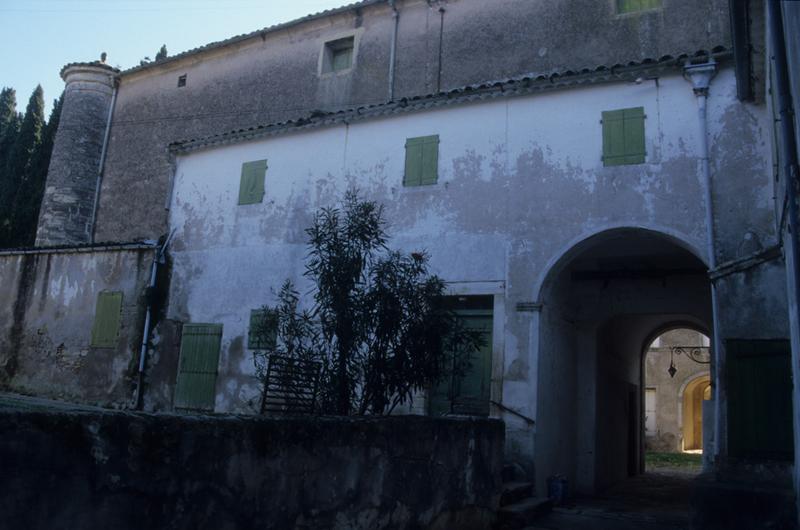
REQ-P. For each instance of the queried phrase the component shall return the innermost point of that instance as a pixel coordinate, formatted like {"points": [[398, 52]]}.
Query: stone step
{"points": [[512, 472], [523, 513], [515, 491]]}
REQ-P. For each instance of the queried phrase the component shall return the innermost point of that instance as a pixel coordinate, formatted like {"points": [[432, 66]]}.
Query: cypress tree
{"points": [[9, 128], [19, 167], [25, 217], [162, 53]]}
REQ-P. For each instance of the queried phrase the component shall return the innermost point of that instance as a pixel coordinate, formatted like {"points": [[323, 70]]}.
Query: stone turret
{"points": [[67, 207]]}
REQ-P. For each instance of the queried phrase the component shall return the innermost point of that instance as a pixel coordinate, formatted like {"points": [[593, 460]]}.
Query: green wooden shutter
{"points": [[263, 331], [760, 399], [629, 6], [197, 367], [251, 186], [623, 137], [107, 316], [469, 393], [422, 161]]}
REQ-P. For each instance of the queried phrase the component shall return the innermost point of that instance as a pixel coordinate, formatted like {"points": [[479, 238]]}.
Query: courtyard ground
{"points": [[656, 500]]}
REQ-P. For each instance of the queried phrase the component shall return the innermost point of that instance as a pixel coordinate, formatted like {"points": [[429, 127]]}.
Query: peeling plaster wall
{"points": [[521, 181], [46, 313], [274, 76]]}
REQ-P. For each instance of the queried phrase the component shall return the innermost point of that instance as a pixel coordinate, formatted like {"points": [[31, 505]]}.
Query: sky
{"points": [[38, 37]]}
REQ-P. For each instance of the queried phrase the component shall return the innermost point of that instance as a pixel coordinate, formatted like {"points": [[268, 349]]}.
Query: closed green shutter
{"points": [[197, 367], [623, 137], [422, 161], [263, 331], [629, 6], [760, 399], [469, 393], [251, 186], [107, 316]]}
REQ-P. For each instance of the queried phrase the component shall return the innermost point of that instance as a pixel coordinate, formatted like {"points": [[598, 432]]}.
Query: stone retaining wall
{"points": [[144, 471]]}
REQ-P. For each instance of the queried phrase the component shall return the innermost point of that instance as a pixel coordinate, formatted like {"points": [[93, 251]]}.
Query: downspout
{"points": [[393, 48], [441, 46], [787, 153], [103, 152], [700, 76], [159, 258]]}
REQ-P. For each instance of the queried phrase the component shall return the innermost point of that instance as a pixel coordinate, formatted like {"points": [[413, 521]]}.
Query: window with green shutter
{"points": [[422, 161], [263, 332], [195, 388], [631, 6], [107, 316], [759, 376], [251, 186], [468, 393], [623, 137]]}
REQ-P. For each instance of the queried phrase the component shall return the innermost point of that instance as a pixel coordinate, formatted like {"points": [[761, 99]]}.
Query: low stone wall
{"points": [[133, 471]]}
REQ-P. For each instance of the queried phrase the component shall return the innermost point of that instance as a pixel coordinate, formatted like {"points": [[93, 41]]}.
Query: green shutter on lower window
{"points": [[195, 388], [263, 331], [107, 316], [630, 6], [251, 185], [623, 137], [422, 161]]}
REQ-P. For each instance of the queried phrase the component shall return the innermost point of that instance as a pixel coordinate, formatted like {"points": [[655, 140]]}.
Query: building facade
{"points": [[587, 170]]}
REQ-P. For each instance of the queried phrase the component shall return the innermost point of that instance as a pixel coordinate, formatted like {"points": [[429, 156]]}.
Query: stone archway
{"points": [[695, 391], [601, 303]]}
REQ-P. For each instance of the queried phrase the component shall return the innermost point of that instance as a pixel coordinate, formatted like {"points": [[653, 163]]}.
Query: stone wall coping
{"points": [[74, 249], [95, 67]]}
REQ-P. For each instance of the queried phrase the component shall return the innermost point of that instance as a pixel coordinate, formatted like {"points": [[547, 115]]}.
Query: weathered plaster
{"points": [[46, 320], [273, 76], [520, 190]]}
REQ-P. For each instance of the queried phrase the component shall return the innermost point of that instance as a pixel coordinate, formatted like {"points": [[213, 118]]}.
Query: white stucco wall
{"points": [[521, 180]]}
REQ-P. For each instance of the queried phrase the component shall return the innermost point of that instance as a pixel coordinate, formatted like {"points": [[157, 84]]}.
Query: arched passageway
{"points": [[602, 304], [677, 381], [697, 391]]}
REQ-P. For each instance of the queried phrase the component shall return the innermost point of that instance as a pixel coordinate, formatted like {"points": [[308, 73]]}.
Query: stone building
{"points": [[589, 177], [674, 398]]}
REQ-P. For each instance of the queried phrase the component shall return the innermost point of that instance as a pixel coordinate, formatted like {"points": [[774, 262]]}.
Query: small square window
{"points": [[263, 332], [632, 6], [182, 80], [338, 55]]}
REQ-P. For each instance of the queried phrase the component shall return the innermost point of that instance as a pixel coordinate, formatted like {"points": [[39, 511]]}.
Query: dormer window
{"points": [[338, 55], [182, 80]]}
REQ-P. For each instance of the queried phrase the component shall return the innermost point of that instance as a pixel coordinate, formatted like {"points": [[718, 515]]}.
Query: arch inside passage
{"points": [[602, 305], [695, 392]]}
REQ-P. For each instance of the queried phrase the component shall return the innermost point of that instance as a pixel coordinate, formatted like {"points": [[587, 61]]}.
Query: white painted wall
{"points": [[521, 180]]}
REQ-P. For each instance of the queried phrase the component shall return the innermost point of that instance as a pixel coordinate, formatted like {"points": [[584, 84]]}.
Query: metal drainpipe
{"points": [[700, 76], [103, 151], [159, 258], [441, 46], [393, 49]]}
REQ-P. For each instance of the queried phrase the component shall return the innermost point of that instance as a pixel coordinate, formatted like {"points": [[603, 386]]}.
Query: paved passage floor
{"points": [[653, 501]]}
